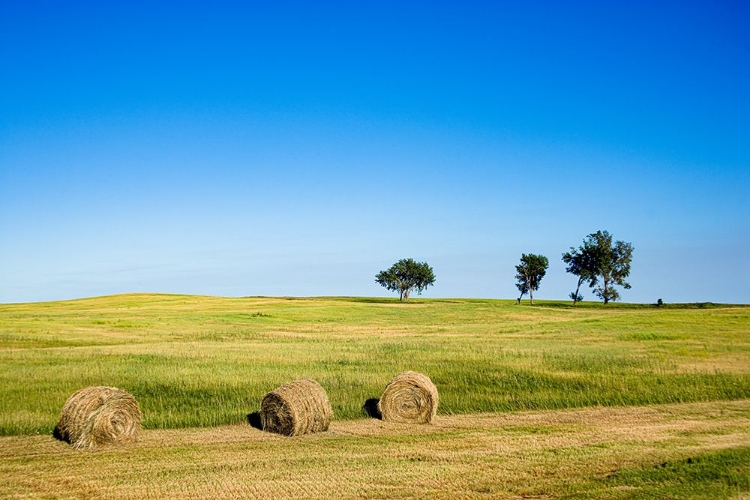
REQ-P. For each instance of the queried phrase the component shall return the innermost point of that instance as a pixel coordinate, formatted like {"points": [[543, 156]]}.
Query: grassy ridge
{"points": [[203, 361]]}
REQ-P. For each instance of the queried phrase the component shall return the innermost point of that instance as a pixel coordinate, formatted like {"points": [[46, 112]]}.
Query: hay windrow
{"points": [[410, 397], [299, 407], [99, 415]]}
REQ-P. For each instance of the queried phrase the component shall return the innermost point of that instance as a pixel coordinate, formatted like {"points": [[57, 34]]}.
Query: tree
{"points": [[614, 265], [530, 272], [602, 263], [582, 263], [406, 275]]}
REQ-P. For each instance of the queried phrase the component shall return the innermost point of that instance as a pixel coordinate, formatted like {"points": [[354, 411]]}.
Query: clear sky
{"points": [[298, 148]]}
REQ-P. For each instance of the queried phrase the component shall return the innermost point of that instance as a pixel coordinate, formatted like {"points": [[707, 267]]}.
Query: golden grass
{"points": [[535, 454]]}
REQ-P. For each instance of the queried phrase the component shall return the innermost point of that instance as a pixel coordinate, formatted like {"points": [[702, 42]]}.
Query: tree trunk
{"points": [[531, 295], [578, 288], [606, 292]]}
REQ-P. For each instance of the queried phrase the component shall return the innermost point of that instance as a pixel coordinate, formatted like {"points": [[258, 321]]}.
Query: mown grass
{"points": [[205, 361], [689, 450]]}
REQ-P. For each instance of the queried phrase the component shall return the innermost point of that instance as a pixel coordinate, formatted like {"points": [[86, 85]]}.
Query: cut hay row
{"points": [[100, 415]]}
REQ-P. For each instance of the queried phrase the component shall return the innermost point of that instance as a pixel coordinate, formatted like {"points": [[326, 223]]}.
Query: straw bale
{"points": [[299, 407], [96, 416], [410, 397]]}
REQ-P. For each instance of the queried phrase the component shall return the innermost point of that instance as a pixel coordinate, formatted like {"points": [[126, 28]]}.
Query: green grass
{"points": [[710, 475], [204, 361]]}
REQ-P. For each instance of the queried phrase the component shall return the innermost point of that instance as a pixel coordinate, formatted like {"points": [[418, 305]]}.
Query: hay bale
{"points": [[99, 415], [299, 407], [410, 397]]}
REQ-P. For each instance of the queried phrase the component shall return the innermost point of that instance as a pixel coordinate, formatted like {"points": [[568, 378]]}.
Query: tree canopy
{"points": [[582, 263], [602, 263], [405, 276], [530, 272]]}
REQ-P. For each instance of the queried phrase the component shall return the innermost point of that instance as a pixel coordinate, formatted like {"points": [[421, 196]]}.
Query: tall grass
{"points": [[203, 361]]}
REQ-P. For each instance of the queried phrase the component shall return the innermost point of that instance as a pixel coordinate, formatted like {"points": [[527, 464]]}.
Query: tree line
{"points": [[599, 262]]}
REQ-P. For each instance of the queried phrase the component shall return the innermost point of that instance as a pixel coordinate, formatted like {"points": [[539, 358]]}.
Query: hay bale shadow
{"points": [[371, 408], [57, 434], [254, 420]]}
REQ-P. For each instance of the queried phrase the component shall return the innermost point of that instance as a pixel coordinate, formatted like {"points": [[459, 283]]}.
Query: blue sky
{"points": [[298, 148]]}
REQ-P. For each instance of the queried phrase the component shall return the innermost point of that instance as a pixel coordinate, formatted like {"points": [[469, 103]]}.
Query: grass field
{"points": [[622, 401]]}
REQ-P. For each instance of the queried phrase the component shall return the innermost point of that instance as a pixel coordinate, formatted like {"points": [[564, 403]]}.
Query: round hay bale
{"points": [[410, 397], [299, 407], [99, 415]]}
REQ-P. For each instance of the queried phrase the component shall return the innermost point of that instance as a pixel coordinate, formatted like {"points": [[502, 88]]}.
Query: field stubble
{"points": [[581, 453]]}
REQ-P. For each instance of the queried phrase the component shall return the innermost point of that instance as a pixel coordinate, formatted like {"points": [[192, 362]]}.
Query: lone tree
{"points": [[406, 275], [530, 272], [602, 263]]}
